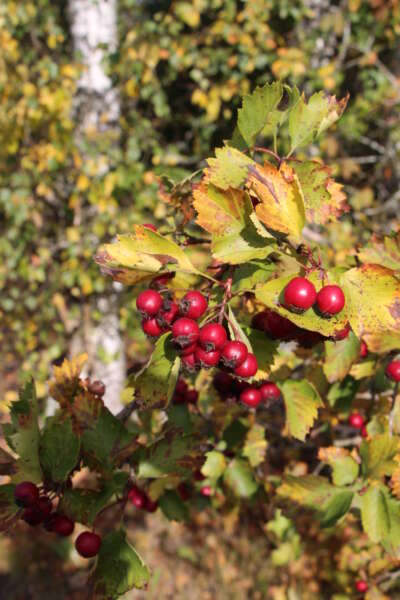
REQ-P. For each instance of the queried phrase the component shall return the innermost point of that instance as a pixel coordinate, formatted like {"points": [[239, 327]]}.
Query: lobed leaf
{"points": [[259, 111], [302, 402], [59, 450]]}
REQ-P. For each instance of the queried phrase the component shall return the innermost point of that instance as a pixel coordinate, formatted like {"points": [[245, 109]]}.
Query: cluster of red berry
{"points": [[300, 295], [38, 508], [141, 500], [229, 387], [184, 395]]}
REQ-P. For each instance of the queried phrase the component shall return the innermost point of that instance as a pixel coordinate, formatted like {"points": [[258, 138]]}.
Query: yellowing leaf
{"points": [[302, 402], [382, 251], [255, 446], [259, 110]]}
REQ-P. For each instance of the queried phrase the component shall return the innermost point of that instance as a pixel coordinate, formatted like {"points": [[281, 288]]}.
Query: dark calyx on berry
{"points": [[193, 305], [234, 354], [212, 337], [185, 331]]}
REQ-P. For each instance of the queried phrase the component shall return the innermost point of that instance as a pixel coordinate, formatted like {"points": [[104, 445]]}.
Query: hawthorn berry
{"points": [[234, 353], [393, 370], [299, 294], [26, 494], [206, 359], [212, 337], [150, 506], [193, 305], [150, 226], [361, 586], [356, 420], [269, 391], [185, 331], [341, 334], [149, 303], [88, 544], [137, 497], [273, 324], [206, 490], [363, 349], [248, 368], [190, 363], [161, 280], [33, 516], [168, 314], [192, 396], [307, 339], [188, 350], [198, 475], [62, 525], [251, 397], [45, 506], [330, 300], [97, 387], [152, 328], [364, 432], [184, 492], [225, 384], [181, 386]]}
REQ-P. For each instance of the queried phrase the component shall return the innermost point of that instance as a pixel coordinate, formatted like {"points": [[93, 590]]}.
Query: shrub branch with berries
{"points": [[265, 349]]}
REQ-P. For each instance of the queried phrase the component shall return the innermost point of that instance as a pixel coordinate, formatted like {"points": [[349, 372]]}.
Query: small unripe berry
{"points": [[26, 494], [212, 337], [393, 370], [274, 325], [251, 397], [88, 544], [234, 354], [269, 391], [330, 300], [299, 294], [193, 305], [150, 226], [206, 359], [363, 349], [356, 420], [185, 331], [248, 368], [361, 586], [62, 525], [149, 303], [152, 328], [137, 497]]}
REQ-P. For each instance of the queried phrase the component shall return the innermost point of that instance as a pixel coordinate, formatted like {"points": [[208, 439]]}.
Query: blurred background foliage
{"points": [[181, 69]]}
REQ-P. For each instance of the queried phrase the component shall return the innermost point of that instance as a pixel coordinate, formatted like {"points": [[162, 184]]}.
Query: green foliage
{"points": [[59, 450]]}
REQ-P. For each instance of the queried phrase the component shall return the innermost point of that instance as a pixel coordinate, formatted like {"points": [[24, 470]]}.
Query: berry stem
{"points": [[226, 298]]}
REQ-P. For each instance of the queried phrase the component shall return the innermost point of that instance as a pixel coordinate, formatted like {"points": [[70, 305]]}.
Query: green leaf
{"points": [[263, 347], [119, 568], [259, 111], [22, 435], [340, 356], [344, 468], [309, 119], [375, 515], [378, 455], [336, 508], [173, 455], [302, 402], [250, 274], [229, 168], [155, 384], [59, 450], [255, 446], [214, 465], [239, 478], [341, 394], [9, 511], [173, 506]]}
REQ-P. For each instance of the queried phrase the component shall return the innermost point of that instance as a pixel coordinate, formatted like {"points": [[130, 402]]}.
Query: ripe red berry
{"points": [[299, 294], [185, 332], [168, 314], [26, 494], [198, 475], [330, 300], [192, 396], [181, 386], [224, 384], [45, 506], [361, 586], [188, 350], [364, 432], [150, 505], [356, 420], [393, 370], [190, 363], [62, 525], [206, 490], [88, 544], [206, 359], [149, 303], [152, 328], [251, 397], [274, 325], [184, 492], [234, 354], [248, 368], [33, 516], [137, 497], [98, 388], [193, 305], [341, 334], [269, 391], [150, 226], [212, 337], [363, 349], [161, 280]]}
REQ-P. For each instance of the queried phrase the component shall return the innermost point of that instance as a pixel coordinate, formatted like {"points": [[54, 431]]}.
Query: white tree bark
{"points": [[94, 33]]}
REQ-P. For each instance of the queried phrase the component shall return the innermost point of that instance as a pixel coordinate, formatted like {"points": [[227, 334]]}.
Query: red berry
{"points": [[150, 505], [190, 363], [206, 490], [330, 300], [341, 334], [149, 303], [184, 492], [198, 475], [167, 316], [26, 494], [206, 359], [224, 384], [251, 397], [273, 324], [33, 516], [393, 370], [364, 432], [45, 506], [152, 328], [363, 349], [98, 388], [161, 280], [212, 337], [185, 332], [356, 420], [361, 586], [269, 391], [248, 368], [181, 386], [299, 294], [193, 305], [150, 226], [192, 396], [188, 350], [137, 497], [234, 354], [88, 544], [308, 339], [62, 525]]}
